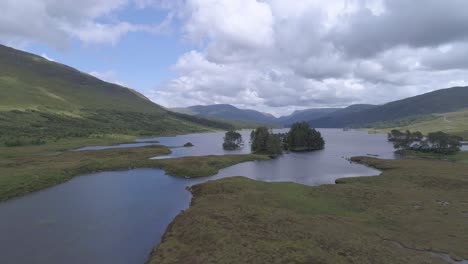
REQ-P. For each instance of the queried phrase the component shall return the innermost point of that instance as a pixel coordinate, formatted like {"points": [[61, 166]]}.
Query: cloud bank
{"points": [[278, 55], [273, 55]]}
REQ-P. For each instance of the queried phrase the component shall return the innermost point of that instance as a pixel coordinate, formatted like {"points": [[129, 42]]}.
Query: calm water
{"points": [[118, 217], [204, 144]]}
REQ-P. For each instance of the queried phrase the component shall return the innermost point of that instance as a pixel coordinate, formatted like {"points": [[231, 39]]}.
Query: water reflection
{"points": [[118, 217]]}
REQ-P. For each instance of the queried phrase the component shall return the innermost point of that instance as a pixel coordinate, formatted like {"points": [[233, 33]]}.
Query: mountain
{"points": [[439, 101], [305, 115], [228, 112], [333, 119], [40, 98]]}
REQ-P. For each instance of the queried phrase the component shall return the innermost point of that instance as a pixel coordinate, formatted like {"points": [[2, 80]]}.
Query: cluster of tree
{"points": [[232, 140], [404, 140], [437, 142], [303, 138], [300, 138], [19, 128], [264, 141]]}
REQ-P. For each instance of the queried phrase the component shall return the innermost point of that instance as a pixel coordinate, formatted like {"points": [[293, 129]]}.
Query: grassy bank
{"points": [[62, 145], [460, 157], [24, 170], [414, 208]]}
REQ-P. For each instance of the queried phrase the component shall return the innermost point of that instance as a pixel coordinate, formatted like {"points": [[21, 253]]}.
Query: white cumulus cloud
{"points": [[281, 55]]}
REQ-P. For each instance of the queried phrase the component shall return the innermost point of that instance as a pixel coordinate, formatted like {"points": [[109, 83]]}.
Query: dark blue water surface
{"points": [[118, 217]]}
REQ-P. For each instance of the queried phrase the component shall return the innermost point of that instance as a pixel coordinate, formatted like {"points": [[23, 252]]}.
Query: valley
{"points": [[88, 167]]}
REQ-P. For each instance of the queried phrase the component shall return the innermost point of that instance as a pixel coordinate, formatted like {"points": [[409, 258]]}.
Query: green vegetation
{"points": [[403, 140], [454, 123], [202, 166], [30, 127], [28, 169], [232, 140], [436, 142], [415, 209], [460, 157], [42, 101], [303, 138], [188, 145], [264, 141], [300, 138], [274, 145], [60, 145]]}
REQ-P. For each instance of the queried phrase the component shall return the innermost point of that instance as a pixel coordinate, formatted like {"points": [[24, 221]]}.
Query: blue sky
{"points": [[140, 60], [275, 56]]}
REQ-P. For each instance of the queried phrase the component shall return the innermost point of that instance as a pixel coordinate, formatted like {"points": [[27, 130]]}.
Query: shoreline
{"points": [[41, 172]]}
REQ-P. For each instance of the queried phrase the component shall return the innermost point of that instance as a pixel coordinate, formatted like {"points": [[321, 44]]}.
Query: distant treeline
{"points": [[32, 127], [436, 142]]}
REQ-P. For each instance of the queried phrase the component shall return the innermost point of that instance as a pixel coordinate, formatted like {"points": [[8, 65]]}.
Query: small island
{"points": [[188, 145], [232, 140], [301, 137]]}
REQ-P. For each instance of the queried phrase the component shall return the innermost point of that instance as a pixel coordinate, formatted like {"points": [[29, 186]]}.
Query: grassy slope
{"points": [[28, 81], [237, 220], [44, 99], [28, 169], [453, 123]]}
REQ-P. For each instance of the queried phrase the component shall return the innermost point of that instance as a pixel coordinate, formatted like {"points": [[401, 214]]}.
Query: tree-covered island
{"points": [[301, 137], [232, 140]]}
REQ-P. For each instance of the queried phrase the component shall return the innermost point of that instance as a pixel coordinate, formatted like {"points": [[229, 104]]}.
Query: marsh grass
{"points": [[24, 170], [421, 204]]}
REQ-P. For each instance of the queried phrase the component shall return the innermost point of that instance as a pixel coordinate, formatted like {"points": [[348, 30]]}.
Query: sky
{"points": [[275, 56]]}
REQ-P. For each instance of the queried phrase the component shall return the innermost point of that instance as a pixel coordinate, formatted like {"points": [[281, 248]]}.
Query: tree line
{"points": [[301, 137], [436, 142]]}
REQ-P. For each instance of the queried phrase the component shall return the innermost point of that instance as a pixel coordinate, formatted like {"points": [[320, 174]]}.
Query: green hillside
{"points": [[43, 99], [440, 101], [454, 123], [28, 81]]}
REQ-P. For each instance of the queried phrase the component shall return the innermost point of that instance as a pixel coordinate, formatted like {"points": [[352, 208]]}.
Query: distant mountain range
{"points": [[354, 116], [440, 101], [305, 115], [229, 112]]}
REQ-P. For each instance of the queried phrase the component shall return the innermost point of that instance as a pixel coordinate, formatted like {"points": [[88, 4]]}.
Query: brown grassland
{"points": [[413, 211]]}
